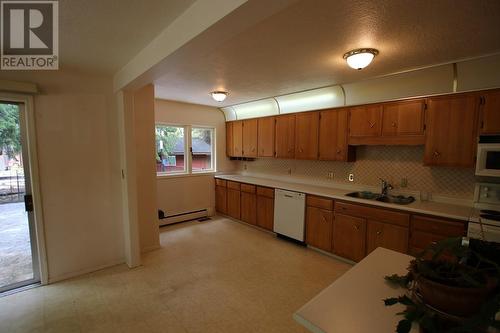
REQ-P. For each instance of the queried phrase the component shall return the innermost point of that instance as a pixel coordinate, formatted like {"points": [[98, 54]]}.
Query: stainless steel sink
{"points": [[395, 199]]}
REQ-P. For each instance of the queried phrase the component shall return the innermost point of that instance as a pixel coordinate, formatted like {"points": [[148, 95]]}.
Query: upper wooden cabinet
{"points": [[365, 121], [403, 118], [250, 138], [333, 128], [265, 137], [237, 146], [229, 139], [451, 131], [306, 135], [490, 112], [392, 123], [285, 136]]}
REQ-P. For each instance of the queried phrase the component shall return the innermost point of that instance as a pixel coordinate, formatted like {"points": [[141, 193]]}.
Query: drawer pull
{"points": [[379, 232]]}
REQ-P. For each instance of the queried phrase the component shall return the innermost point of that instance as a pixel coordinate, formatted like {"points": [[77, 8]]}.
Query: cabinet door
{"points": [[490, 113], [306, 135], [349, 237], [248, 207], [319, 228], [233, 203], [451, 137], [229, 139], [285, 136], [265, 137], [250, 138], [386, 235], [265, 213], [403, 118], [365, 121], [237, 138], [333, 127], [221, 199]]}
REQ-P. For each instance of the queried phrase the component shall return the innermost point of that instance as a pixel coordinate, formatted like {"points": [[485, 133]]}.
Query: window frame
{"points": [[188, 155]]}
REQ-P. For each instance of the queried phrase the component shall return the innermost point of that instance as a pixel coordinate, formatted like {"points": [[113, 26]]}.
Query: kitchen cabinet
{"points": [[237, 146], [333, 131], [265, 204], [229, 139], [349, 236], [319, 222], [426, 230], [386, 235], [490, 112], [233, 199], [220, 196], [248, 204], [365, 121], [306, 135], [285, 136], [249, 130], [451, 137], [403, 118], [265, 137]]}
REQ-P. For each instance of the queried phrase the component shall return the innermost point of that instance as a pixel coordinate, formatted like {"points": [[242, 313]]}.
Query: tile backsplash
{"points": [[393, 163]]}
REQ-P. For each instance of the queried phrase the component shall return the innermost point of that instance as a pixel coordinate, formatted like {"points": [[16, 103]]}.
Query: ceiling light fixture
{"points": [[219, 96], [360, 58]]}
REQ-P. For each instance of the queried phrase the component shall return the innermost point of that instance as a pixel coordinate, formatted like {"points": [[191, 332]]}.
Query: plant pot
{"points": [[457, 301]]}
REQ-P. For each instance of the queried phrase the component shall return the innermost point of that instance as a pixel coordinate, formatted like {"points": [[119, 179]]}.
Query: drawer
{"points": [[372, 213], [247, 188], [421, 239], [265, 192], [319, 202], [220, 182], [233, 185], [446, 228]]}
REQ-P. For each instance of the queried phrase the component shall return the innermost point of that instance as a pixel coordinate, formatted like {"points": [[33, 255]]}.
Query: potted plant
{"points": [[452, 287]]}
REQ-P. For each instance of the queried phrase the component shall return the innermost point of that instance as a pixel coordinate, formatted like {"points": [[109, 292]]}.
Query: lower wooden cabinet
{"points": [[390, 236], [265, 212], [319, 228], [233, 203], [426, 230], [349, 237], [248, 207], [221, 199]]}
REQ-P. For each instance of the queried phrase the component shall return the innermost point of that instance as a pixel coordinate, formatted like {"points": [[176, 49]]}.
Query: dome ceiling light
{"points": [[360, 58], [219, 96]]}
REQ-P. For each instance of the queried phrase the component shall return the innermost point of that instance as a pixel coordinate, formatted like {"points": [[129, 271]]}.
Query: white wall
{"points": [[188, 193], [79, 170]]}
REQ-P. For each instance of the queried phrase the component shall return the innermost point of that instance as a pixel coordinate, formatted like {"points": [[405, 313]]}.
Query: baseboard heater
{"points": [[181, 217]]}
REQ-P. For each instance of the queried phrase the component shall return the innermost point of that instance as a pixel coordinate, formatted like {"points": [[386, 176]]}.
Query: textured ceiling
{"points": [[300, 46], [103, 35]]}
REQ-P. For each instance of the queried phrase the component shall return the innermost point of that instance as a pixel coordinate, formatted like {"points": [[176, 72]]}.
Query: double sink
{"points": [[394, 199]]}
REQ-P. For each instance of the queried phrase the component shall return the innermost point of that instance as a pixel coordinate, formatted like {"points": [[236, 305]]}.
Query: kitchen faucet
{"points": [[385, 187]]}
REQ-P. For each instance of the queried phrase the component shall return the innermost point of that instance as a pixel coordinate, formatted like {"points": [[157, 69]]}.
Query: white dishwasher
{"points": [[289, 210]]}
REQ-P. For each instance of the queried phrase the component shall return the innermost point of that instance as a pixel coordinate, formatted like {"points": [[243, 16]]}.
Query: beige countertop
{"points": [[447, 210], [354, 302]]}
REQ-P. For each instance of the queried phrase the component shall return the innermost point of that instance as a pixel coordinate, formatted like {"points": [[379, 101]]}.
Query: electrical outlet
{"points": [[351, 177], [330, 175], [289, 171], [404, 182]]}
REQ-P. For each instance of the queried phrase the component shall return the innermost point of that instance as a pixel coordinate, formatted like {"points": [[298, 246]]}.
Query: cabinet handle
{"points": [[323, 218], [339, 151], [393, 124], [289, 150], [371, 124], [436, 153], [253, 149], [301, 150], [356, 227], [379, 232]]}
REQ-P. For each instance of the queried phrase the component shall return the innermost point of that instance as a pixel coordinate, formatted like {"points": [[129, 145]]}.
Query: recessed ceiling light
{"points": [[219, 96], [360, 58]]}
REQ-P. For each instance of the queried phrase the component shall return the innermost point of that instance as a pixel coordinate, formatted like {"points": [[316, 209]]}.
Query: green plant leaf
{"points": [[404, 326], [391, 301]]}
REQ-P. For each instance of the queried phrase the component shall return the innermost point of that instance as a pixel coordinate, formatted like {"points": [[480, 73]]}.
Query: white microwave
{"points": [[488, 157]]}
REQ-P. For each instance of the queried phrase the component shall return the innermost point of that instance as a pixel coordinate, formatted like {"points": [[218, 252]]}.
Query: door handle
{"points": [[28, 202]]}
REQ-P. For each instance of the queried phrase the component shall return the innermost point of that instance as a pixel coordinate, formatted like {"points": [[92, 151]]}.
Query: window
{"points": [[173, 144], [201, 149]]}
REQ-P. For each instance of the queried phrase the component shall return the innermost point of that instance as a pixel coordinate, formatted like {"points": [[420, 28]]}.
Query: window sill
{"points": [[184, 175]]}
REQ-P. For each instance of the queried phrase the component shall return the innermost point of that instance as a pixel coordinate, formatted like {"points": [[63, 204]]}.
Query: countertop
{"points": [[354, 302], [458, 212]]}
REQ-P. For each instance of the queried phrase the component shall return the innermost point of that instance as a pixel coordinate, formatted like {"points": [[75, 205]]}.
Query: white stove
{"points": [[484, 222]]}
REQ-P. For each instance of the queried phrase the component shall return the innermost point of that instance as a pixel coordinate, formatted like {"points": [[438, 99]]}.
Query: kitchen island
{"points": [[354, 302]]}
